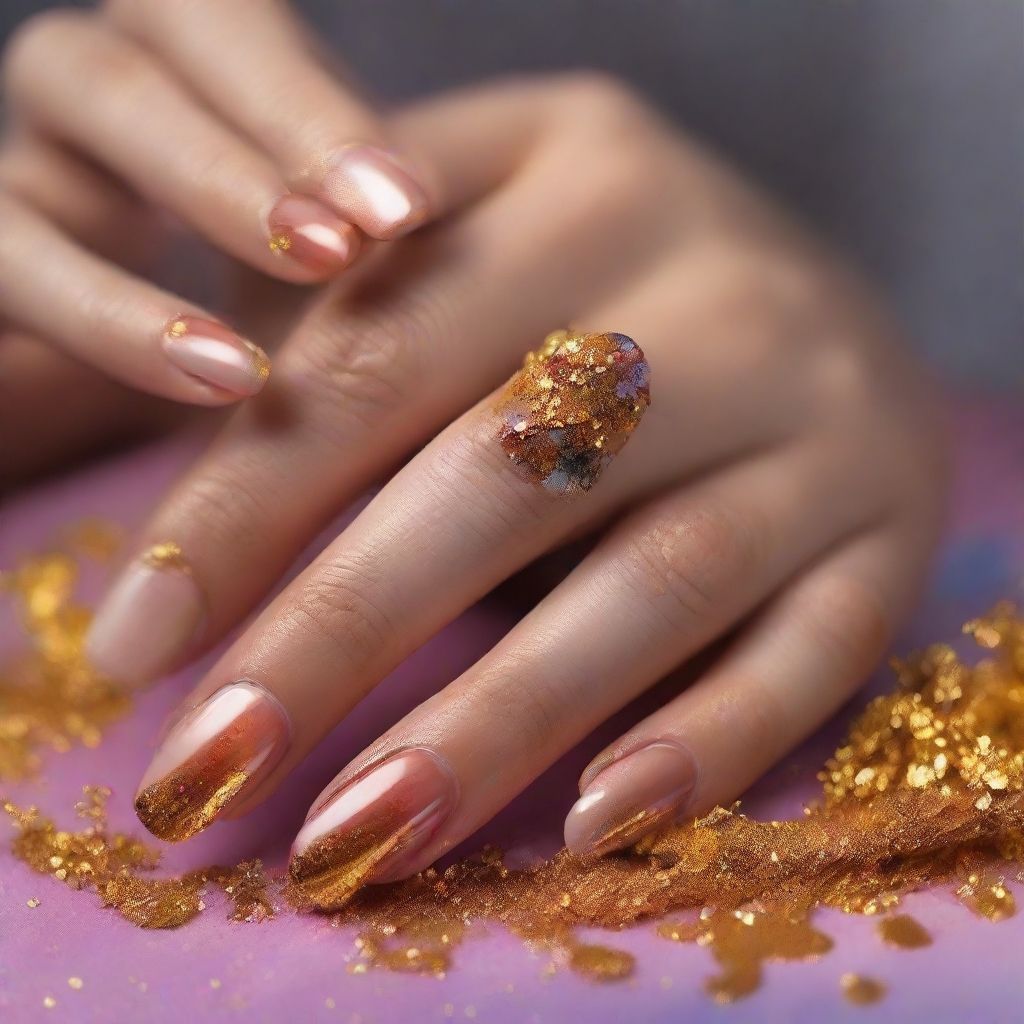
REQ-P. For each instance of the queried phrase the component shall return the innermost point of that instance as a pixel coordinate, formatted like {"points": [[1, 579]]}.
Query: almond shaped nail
{"points": [[368, 186], [370, 827], [228, 744], [147, 618], [637, 794], [215, 354], [306, 231]]}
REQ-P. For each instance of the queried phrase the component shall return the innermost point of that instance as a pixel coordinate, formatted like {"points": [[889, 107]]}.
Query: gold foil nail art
{"points": [[166, 554], [572, 407], [238, 734]]}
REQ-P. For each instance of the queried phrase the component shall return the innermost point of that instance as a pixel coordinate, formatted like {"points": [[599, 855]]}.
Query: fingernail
{"points": [[213, 353], [371, 827], [631, 797], [572, 407], [229, 743], [147, 618], [306, 231], [368, 186]]}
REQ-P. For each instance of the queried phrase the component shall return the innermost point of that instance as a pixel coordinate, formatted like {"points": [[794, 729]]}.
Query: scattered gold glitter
{"points": [[166, 555], [928, 787], [280, 242], [861, 991], [32, 903], [260, 361], [75, 983], [903, 931], [177, 329], [572, 407], [49, 1002]]}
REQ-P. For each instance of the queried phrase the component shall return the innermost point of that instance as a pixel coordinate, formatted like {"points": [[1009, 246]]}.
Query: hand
{"points": [[784, 489], [146, 111]]}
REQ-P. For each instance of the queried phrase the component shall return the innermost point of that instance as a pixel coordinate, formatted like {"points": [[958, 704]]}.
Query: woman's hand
{"points": [[218, 114], [784, 489]]}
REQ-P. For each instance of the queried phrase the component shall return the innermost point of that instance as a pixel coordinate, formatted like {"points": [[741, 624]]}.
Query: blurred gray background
{"points": [[896, 126]]}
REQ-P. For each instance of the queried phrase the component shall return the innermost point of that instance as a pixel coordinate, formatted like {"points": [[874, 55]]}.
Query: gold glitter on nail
{"points": [[176, 329], [572, 407], [280, 242], [185, 802], [167, 555], [260, 361]]}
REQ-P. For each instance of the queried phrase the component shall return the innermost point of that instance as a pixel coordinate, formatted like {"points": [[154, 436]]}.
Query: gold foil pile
{"points": [[928, 787]]}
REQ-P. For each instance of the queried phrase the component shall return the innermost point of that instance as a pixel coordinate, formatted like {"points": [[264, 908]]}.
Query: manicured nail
{"points": [[568, 412], [631, 797], [213, 353], [371, 827], [147, 618], [230, 742], [369, 187], [306, 231]]}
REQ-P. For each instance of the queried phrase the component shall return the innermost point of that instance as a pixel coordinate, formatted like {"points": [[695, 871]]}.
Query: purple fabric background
{"points": [[291, 967]]}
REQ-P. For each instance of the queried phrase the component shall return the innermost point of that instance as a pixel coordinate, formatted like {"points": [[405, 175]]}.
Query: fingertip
{"points": [[231, 366], [311, 238]]}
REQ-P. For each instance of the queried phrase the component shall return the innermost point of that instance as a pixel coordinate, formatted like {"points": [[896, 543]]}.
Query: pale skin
{"points": [[784, 491]]}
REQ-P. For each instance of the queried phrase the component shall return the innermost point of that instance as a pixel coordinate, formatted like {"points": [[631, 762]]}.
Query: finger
{"points": [[663, 585], [269, 83], [144, 126], [124, 326], [367, 378], [789, 670], [471, 513]]}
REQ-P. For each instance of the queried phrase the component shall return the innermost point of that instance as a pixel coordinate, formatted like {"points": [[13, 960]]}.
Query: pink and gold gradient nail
{"points": [[215, 354], [304, 230], [148, 617], [223, 747], [369, 186], [371, 827], [637, 794]]}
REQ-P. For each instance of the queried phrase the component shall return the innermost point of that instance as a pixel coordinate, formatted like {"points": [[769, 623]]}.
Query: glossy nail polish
{"points": [[572, 407], [370, 828], [637, 794], [213, 353], [147, 618], [368, 186], [306, 231], [227, 744]]}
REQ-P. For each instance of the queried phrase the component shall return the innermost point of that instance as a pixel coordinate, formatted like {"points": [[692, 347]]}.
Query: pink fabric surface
{"points": [[291, 967]]}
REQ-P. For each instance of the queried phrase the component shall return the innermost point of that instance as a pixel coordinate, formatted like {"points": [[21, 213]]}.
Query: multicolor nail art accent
{"points": [[233, 739], [568, 412], [371, 827]]}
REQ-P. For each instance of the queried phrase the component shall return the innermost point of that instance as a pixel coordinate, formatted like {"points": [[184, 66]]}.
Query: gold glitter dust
{"points": [[49, 1002], [32, 903], [177, 329], [260, 361], [166, 555], [903, 931], [572, 407], [861, 991], [927, 788], [75, 983]]}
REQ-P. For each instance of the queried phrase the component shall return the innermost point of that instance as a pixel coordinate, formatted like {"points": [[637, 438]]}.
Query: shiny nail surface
{"points": [[368, 186], [306, 231], [231, 741], [147, 618], [641, 792], [367, 830], [213, 353], [572, 407]]}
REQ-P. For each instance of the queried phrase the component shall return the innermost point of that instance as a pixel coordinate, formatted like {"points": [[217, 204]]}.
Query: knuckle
{"points": [[846, 619], [357, 368], [691, 561], [33, 43], [601, 101], [336, 606]]}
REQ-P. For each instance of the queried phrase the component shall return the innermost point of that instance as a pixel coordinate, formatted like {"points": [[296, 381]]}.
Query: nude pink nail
{"points": [[368, 186], [147, 618], [214, 353], [371, 827], [304, 230], [633, 796]]}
